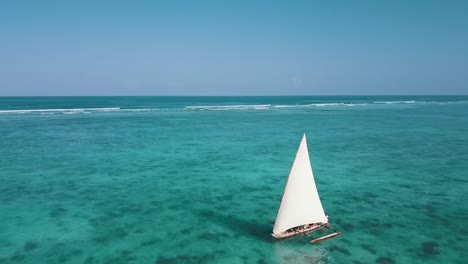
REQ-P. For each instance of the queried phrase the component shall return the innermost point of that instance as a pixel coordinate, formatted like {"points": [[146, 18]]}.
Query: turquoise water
{"points": [[199, 179]]}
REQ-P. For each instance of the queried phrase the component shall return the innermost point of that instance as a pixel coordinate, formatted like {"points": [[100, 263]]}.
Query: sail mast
{"points": [[300, 204]]}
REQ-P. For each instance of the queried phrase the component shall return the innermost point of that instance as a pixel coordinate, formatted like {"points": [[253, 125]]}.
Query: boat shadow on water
{"points": [[252, 229]]}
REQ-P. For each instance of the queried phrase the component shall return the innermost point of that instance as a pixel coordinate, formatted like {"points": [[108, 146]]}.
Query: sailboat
{"points": [[301, 210]]}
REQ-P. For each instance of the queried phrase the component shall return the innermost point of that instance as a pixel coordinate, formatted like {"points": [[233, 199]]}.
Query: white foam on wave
{"points": [[292, 106], [327, 104], [139, 109], [261, 107], [319, 105], [60, 110], [286, 106], [227, 107], [356, 104], [71, 111], [338, 104], [396, 102]]}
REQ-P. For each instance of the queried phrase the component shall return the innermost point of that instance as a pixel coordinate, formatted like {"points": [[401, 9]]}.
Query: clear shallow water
{"points": [[198, 179]]}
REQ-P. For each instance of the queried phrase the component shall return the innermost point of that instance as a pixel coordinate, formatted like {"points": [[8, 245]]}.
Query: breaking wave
{"points": [[396, 102], [71, 111], [304, 105], [318, 105], [64, 110], [269, 106], [336, 104], [228, 107]]}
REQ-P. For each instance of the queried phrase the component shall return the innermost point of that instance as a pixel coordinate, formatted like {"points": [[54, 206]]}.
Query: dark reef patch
{"points": [[17, 257], [185, 231], [370, 223], [115, 260], [339, 249], [429, 249], [120, 232], [57, 212], [64, 258], [384, 260], [127, 255], [130, 258], [375, 232], [89, 260], [125, 252], [369, 248], [148, 212], [150, 242], [139, 231], [107, 235], [28, 246], [431, 211], [77, 252], [407, 186], [358, 262], [347, 227], [210, 236], [65, 253], [130, 209], [185, 259], [227, 197], [345, 240]]}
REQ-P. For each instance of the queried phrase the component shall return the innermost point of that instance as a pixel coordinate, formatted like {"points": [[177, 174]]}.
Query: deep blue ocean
{"points": [[199, 179]]}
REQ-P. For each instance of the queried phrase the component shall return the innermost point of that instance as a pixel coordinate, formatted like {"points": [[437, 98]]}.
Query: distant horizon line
{"points": [[326, 95]]}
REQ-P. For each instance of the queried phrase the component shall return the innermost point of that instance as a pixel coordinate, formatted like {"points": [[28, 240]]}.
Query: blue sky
{"points": [[233, 47]]}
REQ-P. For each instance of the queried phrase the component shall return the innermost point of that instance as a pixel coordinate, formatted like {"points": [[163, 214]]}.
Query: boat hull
{"points": [[295, 233]]}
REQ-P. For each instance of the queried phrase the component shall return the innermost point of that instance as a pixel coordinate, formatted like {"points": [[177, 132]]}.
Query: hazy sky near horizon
{"points": [[233, 47]]}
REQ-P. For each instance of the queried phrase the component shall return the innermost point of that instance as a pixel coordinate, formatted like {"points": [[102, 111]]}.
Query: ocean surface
{"points": [[199, 179]]}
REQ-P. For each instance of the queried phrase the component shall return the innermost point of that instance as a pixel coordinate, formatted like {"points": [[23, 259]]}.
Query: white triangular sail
{"points": [[300, 203]]}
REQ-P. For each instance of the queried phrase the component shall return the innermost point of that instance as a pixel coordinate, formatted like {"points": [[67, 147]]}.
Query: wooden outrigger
{"points": [[336, 233], [325, 237]]}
